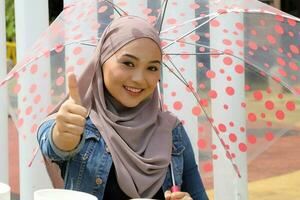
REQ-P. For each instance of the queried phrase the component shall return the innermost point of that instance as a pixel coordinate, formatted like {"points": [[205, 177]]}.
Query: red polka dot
{"points": [[239, 69], [102, 9], [269, 105], [184, 55], [33, 128], [59, 48], [281, 61], [177, 105], [243, 104], [227, 61], [17, 88], [28, 110], [271, 39], [210, 74], [212, 94], [280, 115], [201, 144], [196, 111], [37, 99], [215, 23], [251, 139], [204, 102], [195, 37], [240, 43], [46, 53], [243, 147], [293, 66], [20, 122], [239, 26], [230, 91], [194, 6], [247, 87], [33, 69], [290, 106], [77, 50], [171, 21], [33, 88], [253, 45], [269, 136], [242, 129], [279, 18], [207, 167], [215, 157], [227, 42], [222, 128], [80, 61], [213, 147], [279, 29], [60, 80], [292, 22], [252, 117], [232, 137], [258, 95], [253, 32], [294, 49]]}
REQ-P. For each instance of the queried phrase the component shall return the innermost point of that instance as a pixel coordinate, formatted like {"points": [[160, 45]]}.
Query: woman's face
{"points": [[131, 74]]}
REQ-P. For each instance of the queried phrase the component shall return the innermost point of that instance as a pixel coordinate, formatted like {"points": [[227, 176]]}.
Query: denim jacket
{"points": [[87, 167]]}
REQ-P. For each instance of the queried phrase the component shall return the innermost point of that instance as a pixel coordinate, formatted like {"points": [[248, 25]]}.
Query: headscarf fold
{"points": [[140, 138]]}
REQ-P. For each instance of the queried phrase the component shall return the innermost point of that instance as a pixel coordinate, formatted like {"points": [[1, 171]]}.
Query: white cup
{"points": [[55, 194], [4, 191]]}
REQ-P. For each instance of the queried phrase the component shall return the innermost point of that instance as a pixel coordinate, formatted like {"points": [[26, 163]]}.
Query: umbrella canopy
{"points": [[231, 70]]}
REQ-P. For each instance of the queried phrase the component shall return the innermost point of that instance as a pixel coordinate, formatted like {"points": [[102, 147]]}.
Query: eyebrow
{"points": [[136, 58]]}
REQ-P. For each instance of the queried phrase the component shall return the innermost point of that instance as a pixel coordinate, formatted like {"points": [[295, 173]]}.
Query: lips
{"points": [[132, 90]]}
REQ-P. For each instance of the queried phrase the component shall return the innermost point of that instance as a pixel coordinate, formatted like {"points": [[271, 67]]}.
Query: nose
{"points": [[138, 76]]}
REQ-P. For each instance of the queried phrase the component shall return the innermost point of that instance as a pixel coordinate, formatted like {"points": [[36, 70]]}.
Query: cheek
{"points": [[112, 77], [153, 80]]}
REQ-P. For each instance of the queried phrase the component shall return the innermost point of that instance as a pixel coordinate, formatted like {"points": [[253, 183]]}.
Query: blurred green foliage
{"points": [[10, 20], [55, 7]]}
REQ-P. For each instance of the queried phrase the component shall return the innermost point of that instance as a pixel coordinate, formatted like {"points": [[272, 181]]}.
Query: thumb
{"points": [[73, 89], [168, 195]]}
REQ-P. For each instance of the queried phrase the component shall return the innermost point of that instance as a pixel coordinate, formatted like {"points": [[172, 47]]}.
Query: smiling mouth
{"points": [[132, 90]]}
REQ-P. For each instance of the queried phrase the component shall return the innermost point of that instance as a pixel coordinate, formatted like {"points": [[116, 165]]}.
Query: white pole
{"points": [[228, 112], [31, 20], [3, 96]]}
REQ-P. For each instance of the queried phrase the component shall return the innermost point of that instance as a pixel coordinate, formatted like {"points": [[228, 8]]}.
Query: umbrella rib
{"points": [[11, 74], [188, 33], [215, 15], [189, 21], [163, 15], [255, 69], [183, 79], [115, 8], [192, 54]]}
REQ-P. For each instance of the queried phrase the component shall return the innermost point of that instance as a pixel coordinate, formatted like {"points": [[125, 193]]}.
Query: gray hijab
{"points": [[140, 138]]}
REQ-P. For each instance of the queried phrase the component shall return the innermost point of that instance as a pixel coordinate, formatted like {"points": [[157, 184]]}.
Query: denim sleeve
{"points": [[191, 180], [47, 146]]}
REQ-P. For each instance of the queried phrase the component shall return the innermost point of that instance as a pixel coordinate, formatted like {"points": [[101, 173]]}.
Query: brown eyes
{"points": [[130, 64]]}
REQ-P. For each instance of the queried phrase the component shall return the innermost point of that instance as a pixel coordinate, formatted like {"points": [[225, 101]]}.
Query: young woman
{"points": [[110, 137]]}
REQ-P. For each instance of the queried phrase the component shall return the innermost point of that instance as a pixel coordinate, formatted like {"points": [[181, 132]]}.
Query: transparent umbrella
{"points": [[231, 70]]}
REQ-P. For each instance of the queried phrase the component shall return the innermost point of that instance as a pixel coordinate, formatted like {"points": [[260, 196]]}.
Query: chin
{"points": [[132, 105]]}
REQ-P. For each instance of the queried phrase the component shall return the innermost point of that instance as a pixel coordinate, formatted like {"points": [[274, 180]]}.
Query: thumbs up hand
{"points": [[70, 119]]}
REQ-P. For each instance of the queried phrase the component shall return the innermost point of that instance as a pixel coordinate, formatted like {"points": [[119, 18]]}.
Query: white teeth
{"points": [[133, 89]]}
